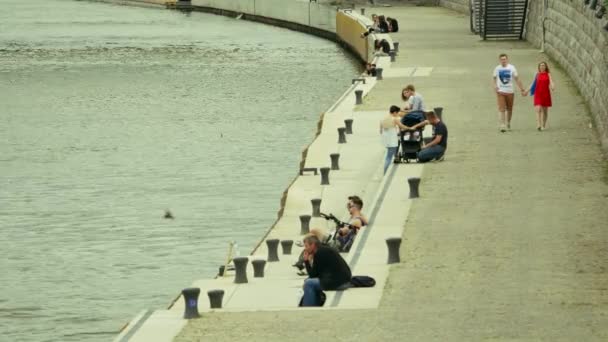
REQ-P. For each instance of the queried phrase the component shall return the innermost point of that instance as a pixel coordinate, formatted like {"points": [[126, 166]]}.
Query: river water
{"points": [[110, 115]]}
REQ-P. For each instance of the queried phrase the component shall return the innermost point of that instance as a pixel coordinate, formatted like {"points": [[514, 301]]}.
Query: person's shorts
{"points": [[505, 102]]}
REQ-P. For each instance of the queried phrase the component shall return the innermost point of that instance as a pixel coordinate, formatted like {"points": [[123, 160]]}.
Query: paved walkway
{"points": [[510, 239]]}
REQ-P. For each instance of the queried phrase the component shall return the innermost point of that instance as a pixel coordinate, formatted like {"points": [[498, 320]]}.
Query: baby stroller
{"points": [[410, 142]]}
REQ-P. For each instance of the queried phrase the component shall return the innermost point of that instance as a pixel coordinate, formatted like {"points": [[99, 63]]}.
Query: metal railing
{"points": [[500, 19]]}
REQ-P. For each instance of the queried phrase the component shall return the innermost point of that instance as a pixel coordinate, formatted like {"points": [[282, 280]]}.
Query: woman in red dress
{"points": [[542, 95]]}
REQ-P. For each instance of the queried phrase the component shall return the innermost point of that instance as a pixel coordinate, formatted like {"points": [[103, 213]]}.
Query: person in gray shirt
{"points": [[414, 100]]}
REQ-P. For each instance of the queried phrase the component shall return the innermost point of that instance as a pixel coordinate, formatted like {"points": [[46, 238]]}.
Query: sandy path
{"points": [[510, 239]]}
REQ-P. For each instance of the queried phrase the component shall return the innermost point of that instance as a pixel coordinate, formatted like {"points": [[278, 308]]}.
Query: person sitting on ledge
{"points": [[382, 25], [435, 149], [346, 235], [382, 47], [370, 69], [413, 100], [356, 221], [326, 269], [393, 24]]}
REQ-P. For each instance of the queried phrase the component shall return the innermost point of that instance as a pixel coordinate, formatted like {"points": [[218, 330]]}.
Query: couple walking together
{"points": [[504, 75]]}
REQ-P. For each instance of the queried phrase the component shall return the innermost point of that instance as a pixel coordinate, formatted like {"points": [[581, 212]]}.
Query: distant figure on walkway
{"points": [[503, 76], [393, 24], [326, 270], [435, 149], [413, 100], [382, 25], [376, 24], [541, 88], [389, 131], [381, 47], [370, 69]]}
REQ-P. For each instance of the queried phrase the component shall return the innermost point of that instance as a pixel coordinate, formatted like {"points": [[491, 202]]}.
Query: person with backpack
{"points": [[326, 269], [541, 89]]}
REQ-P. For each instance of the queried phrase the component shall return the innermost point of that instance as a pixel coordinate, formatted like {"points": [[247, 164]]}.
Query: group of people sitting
{"points": [[384, 24], [325, 267], [412, 118], [381, 25]]}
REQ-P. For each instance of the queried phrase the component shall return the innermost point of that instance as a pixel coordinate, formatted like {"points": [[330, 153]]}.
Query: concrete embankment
{"points": [[359, 172]]}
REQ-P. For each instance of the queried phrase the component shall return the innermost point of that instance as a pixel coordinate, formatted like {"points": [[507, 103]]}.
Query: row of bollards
{"points": [[191, 301], [240, 264]]}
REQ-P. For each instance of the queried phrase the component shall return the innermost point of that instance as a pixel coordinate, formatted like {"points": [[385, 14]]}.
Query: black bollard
{"points": [[358, 97], [273, 246], [215, 298], [221, 272], [286, 244], [191, 301], [393, 245], [324, 176], [396, 46], [348, 124], [414, 184], [362, 11], [379, 74], [392, 54], [316, 207], [439, 112], [240, 269], [258, 268], [184, 5], [305, 224], [335, 161], [342, 135]]}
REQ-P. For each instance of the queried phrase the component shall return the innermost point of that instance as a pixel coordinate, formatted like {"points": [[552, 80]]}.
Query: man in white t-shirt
{"points": [[504, 74]]}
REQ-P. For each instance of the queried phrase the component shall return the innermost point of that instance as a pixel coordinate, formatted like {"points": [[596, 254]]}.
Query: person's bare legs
{"points": [[509, 104], [545, 116], [539, 120], [502, 118]]}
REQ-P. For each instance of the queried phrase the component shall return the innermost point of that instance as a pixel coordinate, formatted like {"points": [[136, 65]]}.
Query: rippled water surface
{"points": [[111, 114]]}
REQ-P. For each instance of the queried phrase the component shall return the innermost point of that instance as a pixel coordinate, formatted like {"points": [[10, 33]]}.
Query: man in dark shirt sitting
{"points": [[435, 149], [393, 24], [326, 270]]}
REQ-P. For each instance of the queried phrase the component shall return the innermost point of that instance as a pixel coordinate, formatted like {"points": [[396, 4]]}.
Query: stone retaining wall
{"points": [[575, 38]]}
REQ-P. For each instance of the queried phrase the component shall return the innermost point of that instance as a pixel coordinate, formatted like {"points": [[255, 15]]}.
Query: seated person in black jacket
{"points": [[326, 270], [382, 45], [393, 24]]}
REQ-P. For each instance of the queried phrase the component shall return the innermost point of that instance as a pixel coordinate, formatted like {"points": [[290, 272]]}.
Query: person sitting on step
{"points": [[435, 149], [326, 269]]}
